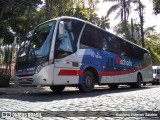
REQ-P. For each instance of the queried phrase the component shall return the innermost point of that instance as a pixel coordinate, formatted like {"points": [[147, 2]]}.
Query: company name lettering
{"points": [[125, 62]]}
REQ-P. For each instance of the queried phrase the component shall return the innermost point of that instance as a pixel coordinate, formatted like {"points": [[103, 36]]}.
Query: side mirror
{"points": [[61, 28]]}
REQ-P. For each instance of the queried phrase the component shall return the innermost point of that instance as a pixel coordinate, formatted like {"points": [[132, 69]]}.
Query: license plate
{"points": [[24, 79]]}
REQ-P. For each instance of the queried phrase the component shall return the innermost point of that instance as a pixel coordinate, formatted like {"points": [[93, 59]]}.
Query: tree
{"points": [[102, 22], [16, 18], [156, 6], [141, 7], [124, 9], [16, 11], [154, 49], [78, 8], [119, 29], [149, 31]]}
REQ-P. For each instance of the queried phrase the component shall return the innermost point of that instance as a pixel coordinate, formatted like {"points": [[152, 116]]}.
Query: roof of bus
{"points": [[69, 17]]}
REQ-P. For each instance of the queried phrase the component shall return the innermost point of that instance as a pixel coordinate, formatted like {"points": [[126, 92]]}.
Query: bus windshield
{"points": [[36, 43]]}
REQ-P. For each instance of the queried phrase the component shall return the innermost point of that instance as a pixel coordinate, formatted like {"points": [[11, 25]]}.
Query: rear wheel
{"points": [[157, 82], [57, 88], [138, 83], [88, 82], [144, 84]]}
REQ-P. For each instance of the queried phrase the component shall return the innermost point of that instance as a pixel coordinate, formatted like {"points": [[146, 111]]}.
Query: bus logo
{"points": [[123, 61]]}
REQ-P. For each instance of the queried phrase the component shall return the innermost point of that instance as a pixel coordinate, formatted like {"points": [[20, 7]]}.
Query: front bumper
{"points": [[44, 77]]}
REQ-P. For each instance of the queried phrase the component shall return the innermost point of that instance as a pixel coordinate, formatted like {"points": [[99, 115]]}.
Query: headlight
{"points": [[42, 65], [38, 69]]}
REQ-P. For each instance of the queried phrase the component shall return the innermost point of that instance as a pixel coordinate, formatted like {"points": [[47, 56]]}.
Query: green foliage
{"points": [[102, 22], [79, 8], [120, 30], [81, 12], [154, 48], [156, 6], [17, 16]]}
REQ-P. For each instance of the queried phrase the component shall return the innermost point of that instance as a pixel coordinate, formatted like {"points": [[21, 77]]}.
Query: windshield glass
{"points": [[66, 43], [36, 43]]}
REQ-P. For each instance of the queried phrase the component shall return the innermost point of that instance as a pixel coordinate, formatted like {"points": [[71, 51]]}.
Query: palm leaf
{"points": [[112, 9], [119, 13]]}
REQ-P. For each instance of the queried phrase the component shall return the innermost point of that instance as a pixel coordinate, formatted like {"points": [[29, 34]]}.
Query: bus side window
{"points": [[147, 58], [103, 39], [90, 37], [114, 43]]}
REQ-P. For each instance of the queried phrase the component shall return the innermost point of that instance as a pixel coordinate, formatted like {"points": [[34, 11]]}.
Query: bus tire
{"points": [[157, 82], [138, 83], [144, 84], [88, 82], [153, 83], [113, 86], [57, 88]]}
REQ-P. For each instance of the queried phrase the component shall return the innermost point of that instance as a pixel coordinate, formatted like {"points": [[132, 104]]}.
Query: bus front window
{"points": [[37, 42]]}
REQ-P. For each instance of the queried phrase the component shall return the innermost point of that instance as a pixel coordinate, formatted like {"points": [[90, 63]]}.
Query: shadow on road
{"points": [[41, 94]]}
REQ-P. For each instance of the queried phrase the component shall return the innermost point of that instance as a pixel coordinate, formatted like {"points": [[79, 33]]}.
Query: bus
{"points": [[68, 51]]}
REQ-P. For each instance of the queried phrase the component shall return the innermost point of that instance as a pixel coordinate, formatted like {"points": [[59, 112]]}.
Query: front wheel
{"points": [[88, 82], [57, 88]]}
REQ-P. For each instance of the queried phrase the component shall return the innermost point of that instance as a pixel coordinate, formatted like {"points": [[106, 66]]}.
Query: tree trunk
{"points": [[1, 12], [47, 10], [125, 19], [141, 23]]}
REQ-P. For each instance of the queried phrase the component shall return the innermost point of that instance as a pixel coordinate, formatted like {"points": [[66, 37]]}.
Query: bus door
{"points": [[65, 60]]}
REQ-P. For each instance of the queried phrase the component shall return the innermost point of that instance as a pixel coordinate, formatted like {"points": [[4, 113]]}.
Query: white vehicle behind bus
{"points": [[156, 75]]}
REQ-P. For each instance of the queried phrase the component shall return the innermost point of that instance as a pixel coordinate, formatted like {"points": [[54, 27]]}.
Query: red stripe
{"points": [[80, 72], [121, 72], [70, 73]]}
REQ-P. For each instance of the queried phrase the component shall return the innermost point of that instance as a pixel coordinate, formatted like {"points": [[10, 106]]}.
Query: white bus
{"points": [[68, 51]]}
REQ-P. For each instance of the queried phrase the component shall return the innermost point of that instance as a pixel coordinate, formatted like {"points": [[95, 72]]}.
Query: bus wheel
{"points": [[57, 88], [88, 82], [113, 86], [144, 84], [139, 81], [157, 82]]}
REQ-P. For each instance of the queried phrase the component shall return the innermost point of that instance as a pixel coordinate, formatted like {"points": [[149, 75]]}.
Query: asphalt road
{"points": [[104, 103]]}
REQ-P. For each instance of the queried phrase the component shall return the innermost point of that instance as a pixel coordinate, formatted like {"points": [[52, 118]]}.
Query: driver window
{"points": [[66, 42]]}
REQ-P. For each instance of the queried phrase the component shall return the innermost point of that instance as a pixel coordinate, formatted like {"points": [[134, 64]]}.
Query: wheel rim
{"points": [[88, 81]]}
